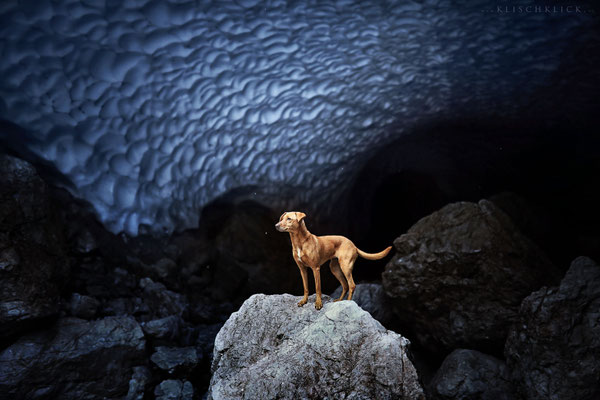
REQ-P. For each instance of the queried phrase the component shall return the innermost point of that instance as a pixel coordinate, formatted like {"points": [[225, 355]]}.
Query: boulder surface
{"points": [[270, 348], [33, 261], [469, 374], [75, 359], [371, 298], [460, 274], [554, 347]]}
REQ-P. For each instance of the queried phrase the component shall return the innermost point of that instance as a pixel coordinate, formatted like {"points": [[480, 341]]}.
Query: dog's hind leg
{"points": [[334, 266], [346, 266]]}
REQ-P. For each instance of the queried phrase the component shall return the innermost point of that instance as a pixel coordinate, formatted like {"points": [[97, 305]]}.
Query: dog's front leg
{"points": [[317, 274], [304, 274]]}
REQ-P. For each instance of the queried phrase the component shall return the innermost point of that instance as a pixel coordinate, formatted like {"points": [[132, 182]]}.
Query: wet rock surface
{"points": [[460, 274], [74, 359], [33, 262], [554, 346], [271, 348], [469, 374]]}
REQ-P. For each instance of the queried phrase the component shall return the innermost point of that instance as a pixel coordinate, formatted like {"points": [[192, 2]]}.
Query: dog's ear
{"points": [[300, 216]]}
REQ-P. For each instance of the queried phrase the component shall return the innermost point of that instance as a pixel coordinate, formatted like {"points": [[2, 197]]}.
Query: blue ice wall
{"points": [[153, 108]]}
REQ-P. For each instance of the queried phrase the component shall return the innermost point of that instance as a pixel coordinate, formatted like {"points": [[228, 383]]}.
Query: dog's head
{"points": [[290, 221]]}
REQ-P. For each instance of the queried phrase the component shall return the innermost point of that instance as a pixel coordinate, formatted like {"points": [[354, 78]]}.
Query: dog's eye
{"points": [[288, 218]]}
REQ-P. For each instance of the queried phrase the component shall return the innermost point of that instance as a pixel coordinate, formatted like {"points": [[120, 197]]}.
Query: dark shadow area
{"points": [[551, 172]]}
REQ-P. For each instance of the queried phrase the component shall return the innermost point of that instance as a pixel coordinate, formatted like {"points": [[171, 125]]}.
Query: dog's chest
{"points": [[300, 257]]}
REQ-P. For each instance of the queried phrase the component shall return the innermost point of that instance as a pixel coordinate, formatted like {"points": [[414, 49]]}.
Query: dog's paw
{"points": [[301, 303], [318, 305], [336, 300]]}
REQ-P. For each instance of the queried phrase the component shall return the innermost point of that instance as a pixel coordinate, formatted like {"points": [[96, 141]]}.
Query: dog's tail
{"points": [[375, 256]]}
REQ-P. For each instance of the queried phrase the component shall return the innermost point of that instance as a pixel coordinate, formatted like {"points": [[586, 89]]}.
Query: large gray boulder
{"points": [[33, 261], [554, 348], [460, 274], [270, 349], [75, 359], [471, 375]]}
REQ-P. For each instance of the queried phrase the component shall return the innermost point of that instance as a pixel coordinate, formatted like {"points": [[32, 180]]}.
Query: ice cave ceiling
{"points": [[154, 108]]}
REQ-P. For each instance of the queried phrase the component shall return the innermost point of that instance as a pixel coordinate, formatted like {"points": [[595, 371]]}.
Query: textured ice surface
{"points": [[154, 108]]}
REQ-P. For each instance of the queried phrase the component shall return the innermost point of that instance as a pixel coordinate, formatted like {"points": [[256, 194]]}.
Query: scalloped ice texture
{"points": [[154, 108]]}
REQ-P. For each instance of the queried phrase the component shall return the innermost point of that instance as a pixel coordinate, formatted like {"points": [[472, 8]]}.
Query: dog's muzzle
{"points": [[279, 228]]}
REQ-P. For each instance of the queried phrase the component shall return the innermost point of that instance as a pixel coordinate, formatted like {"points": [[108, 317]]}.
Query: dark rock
{"points": [[122, 278], [164, 328], [163, 268], [33, 254], [469, 374], [460, 274], [526, 217], [163, 302], [94, 277], [206, 311], [371, 298], [75, 359], [85, 241], [206, 339], [271, 348], [174, 390], [554, 347], [125, 306], [138, 383], [83, 306], [170, 359]]}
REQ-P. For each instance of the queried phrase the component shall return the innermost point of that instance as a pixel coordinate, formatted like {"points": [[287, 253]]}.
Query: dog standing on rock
{"points": [[311, 251]]}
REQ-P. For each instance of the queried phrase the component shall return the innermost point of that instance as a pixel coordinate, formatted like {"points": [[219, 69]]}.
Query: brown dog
{"points": [[312, 251]]}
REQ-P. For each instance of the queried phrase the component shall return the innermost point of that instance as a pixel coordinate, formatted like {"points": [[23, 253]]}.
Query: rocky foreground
{"points": [[85, 314], [272, 349]]}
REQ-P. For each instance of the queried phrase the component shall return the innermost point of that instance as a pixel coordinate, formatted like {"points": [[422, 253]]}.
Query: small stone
{"points": [[8, 259], [175, 358], [163, 328], [137, 385], [174, 390], [83, 306]]}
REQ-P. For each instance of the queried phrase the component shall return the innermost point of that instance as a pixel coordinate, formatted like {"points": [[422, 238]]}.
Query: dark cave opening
{"points": [[544, 177]]}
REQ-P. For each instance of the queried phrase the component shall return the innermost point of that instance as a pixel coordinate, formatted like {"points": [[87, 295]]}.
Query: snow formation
{"points": [[153, 108]]}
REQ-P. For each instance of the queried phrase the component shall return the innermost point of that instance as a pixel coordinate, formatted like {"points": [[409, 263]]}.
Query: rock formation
{"points": [[87, 314], [33, 262], [73, 359], [469, 374], [459, 276], [271, 348], [553, 348]]}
